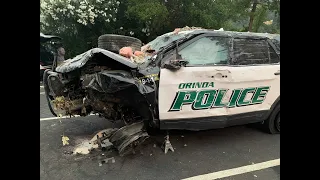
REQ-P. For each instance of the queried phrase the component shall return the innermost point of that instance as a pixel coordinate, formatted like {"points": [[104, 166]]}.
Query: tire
{"points": [[46, 90], [272, 124], [114, 43]]}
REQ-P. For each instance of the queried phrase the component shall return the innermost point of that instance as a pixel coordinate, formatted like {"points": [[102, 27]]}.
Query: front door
{"points": [[196, 91]]}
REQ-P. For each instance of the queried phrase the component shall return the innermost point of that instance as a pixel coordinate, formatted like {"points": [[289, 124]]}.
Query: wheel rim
{"points": [[278, 122]]}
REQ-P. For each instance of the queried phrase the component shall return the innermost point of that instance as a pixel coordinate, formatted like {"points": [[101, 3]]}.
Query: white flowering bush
{"points": [[78, 22], [66, 14]]}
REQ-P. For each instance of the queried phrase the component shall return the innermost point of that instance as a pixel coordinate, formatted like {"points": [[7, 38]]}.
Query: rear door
{"points": [[255, 79]]}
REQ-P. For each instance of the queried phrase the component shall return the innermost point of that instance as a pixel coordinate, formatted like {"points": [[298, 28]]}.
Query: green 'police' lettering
{"points": [[261, 93], [243, 95], [234, 98], [220, 96], [204, 99], [183, 98]]}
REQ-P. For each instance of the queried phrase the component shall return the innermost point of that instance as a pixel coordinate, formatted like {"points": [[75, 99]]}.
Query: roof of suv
{"points": [[229, 33]]}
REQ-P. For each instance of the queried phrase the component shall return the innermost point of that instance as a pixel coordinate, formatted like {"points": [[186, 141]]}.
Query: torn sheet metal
{"points": [[100, 139], [127, 138], [113, 81], [80, 60]]}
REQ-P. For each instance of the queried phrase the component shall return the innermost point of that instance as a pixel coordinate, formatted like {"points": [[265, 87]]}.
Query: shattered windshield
{"points": [[164, 40]]}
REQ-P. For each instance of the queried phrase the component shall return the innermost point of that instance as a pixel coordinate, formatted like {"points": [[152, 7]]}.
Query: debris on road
{"points": [[167, 145], [65, 140], [125, 140], [104, 134], [85, 148], [100, 139], [107, 160]]}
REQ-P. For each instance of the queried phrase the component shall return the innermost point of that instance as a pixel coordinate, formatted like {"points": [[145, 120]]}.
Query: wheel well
{"points": [[275, 104]]}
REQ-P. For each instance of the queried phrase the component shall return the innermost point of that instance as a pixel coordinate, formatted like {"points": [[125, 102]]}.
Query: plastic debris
{"points": [[138, 59], [126, 52], [182, 136], [154, 145], [185, 145], [186, 28], [138, 53], [107, 160], [85, 148], [145, 48], [255, 175], [65, 140]]}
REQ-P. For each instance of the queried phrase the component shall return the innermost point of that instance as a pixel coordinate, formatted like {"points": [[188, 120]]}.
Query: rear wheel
{"points": [[272, 124]]}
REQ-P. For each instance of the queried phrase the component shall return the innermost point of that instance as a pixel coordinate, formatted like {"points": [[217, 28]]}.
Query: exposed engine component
{"points": [[69, 106]]}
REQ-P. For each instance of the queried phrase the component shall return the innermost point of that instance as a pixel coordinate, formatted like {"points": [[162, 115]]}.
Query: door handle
{"points": [[277, 73]]}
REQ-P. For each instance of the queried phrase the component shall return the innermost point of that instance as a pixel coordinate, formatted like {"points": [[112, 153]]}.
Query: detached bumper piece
{"points": [[126, 139]]}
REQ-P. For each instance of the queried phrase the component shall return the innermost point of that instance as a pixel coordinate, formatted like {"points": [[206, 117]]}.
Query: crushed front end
{"points": [[101, 82]]}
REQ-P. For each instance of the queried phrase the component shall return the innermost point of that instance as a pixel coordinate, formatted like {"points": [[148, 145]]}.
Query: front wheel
{"points": [[272, 124], [47, 91]]}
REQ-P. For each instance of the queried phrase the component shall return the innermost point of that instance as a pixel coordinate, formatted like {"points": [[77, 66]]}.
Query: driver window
{"points": [[207, 51]]}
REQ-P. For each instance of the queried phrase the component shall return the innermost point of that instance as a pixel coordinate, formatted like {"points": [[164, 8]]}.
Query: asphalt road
{"points": [[196, 153]]}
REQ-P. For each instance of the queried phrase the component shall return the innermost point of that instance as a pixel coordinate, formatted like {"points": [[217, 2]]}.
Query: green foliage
{"points": [[81, 22]]}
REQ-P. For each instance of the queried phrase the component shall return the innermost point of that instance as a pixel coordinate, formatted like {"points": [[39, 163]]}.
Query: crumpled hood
{"points": [[80, 60]]}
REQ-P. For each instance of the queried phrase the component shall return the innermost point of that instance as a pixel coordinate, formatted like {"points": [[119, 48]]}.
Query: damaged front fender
{"points": [[114, 81], [80, 60]]}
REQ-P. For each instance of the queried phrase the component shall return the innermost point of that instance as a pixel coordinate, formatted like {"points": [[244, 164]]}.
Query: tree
{"points": [[259, 13], [78, 22], [81, 22]]}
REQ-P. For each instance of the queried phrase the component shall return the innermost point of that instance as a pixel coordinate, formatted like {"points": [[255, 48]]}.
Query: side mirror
{"points": [[175, 64]]}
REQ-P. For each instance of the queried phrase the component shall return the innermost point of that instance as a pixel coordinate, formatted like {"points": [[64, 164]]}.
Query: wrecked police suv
{"points": [[193, 80]]}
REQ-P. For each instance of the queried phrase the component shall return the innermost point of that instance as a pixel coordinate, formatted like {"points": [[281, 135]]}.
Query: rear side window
{"points": [[207, 51], [250, 51], [274, 58]]}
